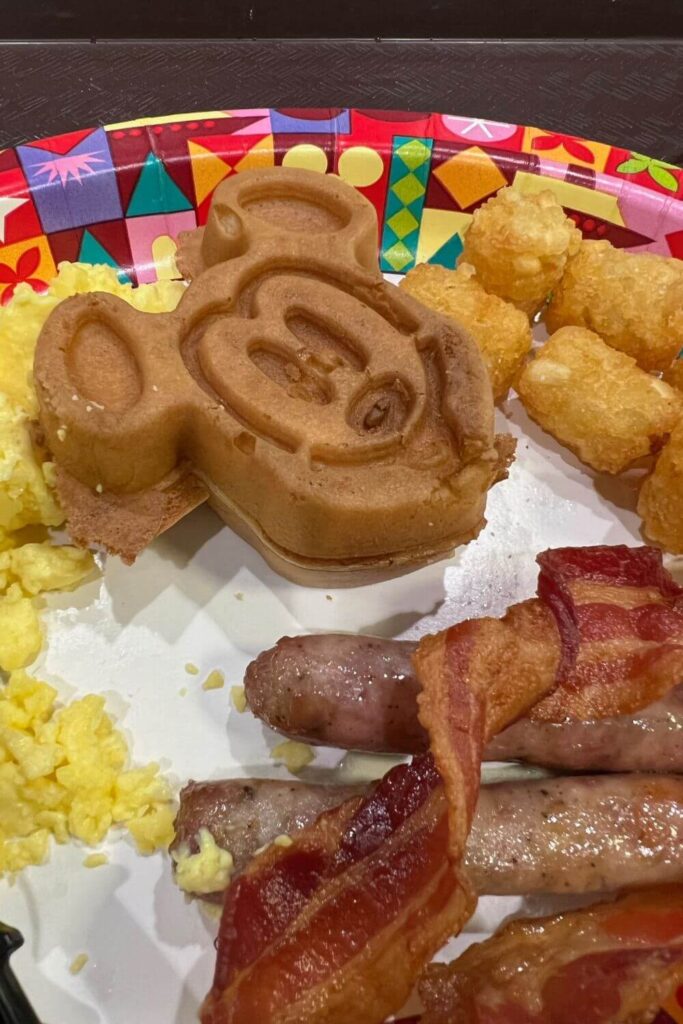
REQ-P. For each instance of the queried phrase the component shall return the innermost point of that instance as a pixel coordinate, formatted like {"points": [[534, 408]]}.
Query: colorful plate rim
{"points": [[120, 193]]}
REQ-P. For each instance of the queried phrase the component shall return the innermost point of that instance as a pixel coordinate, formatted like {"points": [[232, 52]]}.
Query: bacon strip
{"points": [[336, 927], [620, 616], [607, 625], [606, 964], [476, 678]]}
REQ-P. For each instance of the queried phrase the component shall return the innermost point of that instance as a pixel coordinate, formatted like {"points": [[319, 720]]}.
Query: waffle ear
{"points": [[272, 209], [107, 412]]}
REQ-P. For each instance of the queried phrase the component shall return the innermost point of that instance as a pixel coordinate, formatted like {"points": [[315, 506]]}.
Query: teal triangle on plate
{"points": [[448, 254], [92, 251], [156, 192]]}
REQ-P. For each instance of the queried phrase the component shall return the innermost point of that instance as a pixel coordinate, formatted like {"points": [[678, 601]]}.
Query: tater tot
{"points": [[634, 301], [519, 246], [661, 497], [597, 401], [674, 375], [500, 330]]}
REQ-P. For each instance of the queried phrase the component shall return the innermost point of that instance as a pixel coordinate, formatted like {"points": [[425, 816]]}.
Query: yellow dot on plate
{"points": [[307, 157], [360, 166]]}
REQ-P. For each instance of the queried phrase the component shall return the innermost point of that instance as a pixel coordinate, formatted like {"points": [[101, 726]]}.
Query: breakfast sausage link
{"points": [[243, 815], [360, 692], [564, 835], [339, 690], [650, 740]]}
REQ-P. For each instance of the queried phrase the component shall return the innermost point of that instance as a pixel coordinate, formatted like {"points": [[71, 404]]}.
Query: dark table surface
{"points": [[623, 92]]}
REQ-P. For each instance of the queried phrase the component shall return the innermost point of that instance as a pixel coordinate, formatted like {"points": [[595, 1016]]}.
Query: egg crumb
{"points": [[213, 911], [25, 572], [239, 698], [239, 596], [21, 632], [207, 870], [214, 681], [294, 755], [191, 669], [182, 692], [282, 840], [95, 860], [64, 774], [78, 963]]}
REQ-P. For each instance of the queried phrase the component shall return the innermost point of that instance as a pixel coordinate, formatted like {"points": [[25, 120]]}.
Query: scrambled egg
{"points": [[238, 696], [208, 870], [63, 771], [293, 754], [78, 963], [27, 498], [64, 774], [214, 681]]}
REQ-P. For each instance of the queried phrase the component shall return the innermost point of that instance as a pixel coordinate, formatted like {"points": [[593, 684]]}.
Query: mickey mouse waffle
{"points": [[328, 418]]}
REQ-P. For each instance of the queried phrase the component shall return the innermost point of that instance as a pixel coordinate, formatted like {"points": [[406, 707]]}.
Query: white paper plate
{"points": [[201, 594]]}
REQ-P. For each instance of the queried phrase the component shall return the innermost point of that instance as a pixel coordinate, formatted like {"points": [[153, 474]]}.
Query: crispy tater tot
{"points": [[634, 301], [660, 504], [674, 375], [519, 246], [500, 330], [597, 401]]}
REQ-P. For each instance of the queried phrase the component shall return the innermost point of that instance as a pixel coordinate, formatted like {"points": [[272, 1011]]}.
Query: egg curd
{"points": [[206, 871], [64, 774]]}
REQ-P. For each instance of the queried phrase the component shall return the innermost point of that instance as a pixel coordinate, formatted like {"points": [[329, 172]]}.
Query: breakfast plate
{"points": [[200, 595]]}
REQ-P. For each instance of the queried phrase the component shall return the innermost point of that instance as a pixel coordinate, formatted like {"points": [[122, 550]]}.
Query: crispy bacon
{"points": [[476, 678], [607, 627], [620, 617], [336, 927], [605, 964]]}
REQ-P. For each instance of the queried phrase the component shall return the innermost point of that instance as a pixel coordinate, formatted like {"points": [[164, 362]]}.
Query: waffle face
{"points": [[329, 418]]}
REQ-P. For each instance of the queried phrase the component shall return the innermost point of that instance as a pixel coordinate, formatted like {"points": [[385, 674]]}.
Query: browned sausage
{"points": [[245, 814], [360, 692], [339, 690], [563, 835]]}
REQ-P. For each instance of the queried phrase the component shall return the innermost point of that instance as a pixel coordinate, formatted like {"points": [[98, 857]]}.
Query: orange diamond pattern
{"points": [[470, 176]]}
